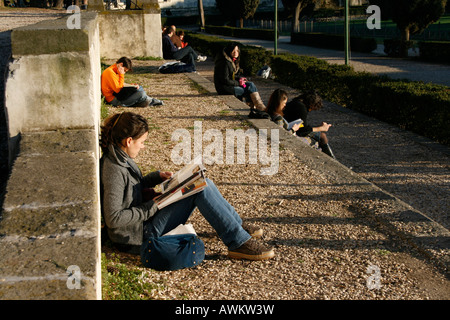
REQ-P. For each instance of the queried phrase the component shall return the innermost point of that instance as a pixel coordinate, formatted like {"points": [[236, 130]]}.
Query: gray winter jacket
{"points": [[123, 208]]}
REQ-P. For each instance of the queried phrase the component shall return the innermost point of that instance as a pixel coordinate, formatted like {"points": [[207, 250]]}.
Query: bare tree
{"points": [[295, 7], [238, 9], [201, 13]]}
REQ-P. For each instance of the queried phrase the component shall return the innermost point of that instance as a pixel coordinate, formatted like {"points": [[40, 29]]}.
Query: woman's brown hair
{"points": [[273, 106], [120, 126], [311, 99]]}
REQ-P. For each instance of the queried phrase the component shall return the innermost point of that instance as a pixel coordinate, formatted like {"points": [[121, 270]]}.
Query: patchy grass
{"points": [[123, 281]]}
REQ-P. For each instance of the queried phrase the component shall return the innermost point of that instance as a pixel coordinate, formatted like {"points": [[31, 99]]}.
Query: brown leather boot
{"points": [[255, 231], [257, 101], [252, 250]]}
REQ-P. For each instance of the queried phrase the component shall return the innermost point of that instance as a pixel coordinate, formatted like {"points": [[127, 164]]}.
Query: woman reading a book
{"points": [[275, 107], [131, 217]]}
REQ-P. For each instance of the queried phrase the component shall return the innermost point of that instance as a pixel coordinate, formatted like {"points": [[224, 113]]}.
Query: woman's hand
{"points": [[120, 69], [165, 174], [296, 126], [323, 127]]}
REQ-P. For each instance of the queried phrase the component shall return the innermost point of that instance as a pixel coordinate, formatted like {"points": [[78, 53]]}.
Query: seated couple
{"points": [[171, 52], [120, 94], [282, 112]]}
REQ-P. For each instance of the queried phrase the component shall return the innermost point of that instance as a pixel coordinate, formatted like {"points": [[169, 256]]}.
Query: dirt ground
{"points": [[325, 246]]}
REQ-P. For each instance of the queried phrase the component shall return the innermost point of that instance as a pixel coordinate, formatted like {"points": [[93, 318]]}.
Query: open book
{"points": [[184, 183], [293, 123]]}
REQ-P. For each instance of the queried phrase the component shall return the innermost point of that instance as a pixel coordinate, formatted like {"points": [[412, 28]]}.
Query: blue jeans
{"points": [[240, 92], [139, 96], [211, 204]]}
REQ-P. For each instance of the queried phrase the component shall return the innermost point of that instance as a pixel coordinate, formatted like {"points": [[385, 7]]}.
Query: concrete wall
{"points": [[50, 223], [130, 33], [50, 219], [54, 78]]}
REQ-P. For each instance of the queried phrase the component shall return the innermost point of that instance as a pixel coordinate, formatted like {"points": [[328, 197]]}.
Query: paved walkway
{"points": [[370, 62]]}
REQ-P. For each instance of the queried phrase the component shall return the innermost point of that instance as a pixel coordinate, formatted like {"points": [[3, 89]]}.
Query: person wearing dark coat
{"points": [[170, 51], [228, 79], [298, 108]]}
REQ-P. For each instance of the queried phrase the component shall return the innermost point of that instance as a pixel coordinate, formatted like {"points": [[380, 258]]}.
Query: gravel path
{"points": [[324, 242], [18, 17], [410, 167]]}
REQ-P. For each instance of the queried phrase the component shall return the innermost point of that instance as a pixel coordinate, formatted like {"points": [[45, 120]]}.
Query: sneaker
{"points": [[155, 102], [252, 250], [201, 58], [255, 231]]}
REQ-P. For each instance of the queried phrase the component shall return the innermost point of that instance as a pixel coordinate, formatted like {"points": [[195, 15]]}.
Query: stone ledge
{"points": [[45, 289], [49, 142], [51, 180], [29, 257], [50, 217], [53, 36]]}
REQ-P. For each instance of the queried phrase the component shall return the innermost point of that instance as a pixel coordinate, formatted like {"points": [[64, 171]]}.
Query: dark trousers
{"points": [[186, 55]]}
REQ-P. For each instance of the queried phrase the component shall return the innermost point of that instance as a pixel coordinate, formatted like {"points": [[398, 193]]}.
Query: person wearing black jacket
{"points": [[170, 51], [229, 81], [298, 108]]}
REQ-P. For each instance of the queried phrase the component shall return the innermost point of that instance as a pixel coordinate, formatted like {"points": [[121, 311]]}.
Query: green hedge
{"points": [[412, 105], [248, 33], [333, 41], [416, 106], [435, 51]]}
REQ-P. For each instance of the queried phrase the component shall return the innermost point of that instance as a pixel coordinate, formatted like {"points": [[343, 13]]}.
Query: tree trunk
{"points": [[59, 4], [296, 22], [241, 23], [405, 34], [201, 12]]}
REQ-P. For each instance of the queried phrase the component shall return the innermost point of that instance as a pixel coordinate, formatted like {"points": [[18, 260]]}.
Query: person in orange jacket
{"points": [[119, 93]]}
